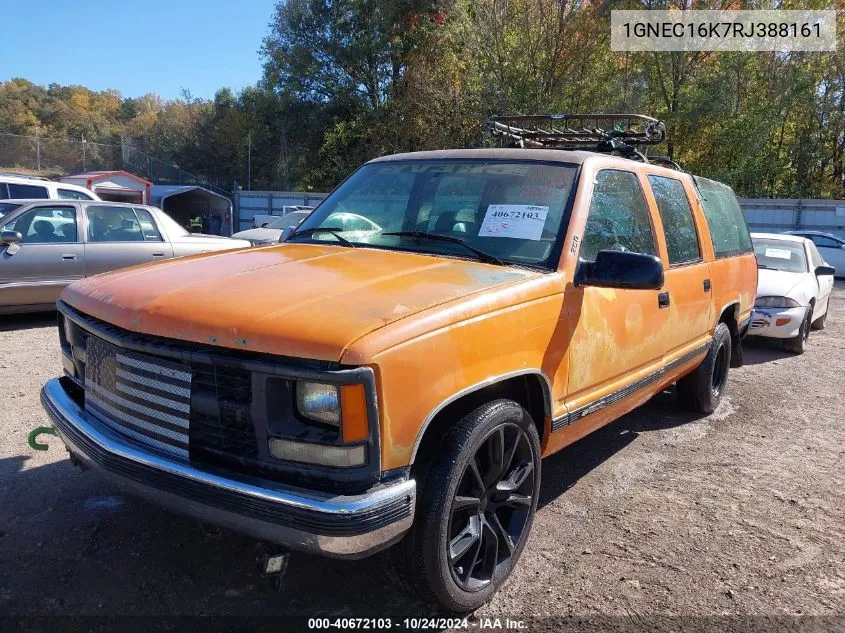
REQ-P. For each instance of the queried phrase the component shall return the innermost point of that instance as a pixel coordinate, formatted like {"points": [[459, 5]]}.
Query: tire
{"points": [[472, 522], [702, 390], [798, 344], [818, 324]]}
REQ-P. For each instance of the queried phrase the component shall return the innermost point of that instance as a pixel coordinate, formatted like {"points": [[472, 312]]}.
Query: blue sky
{"points": [[136, 47]]}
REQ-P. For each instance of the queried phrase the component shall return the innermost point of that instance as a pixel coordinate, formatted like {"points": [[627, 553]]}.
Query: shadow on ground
{"points": [[757, 350], [32, 320], [72, 544]]}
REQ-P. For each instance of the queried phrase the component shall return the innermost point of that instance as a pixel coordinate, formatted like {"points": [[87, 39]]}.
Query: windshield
{"points": [[8, 207], [780, 255], [512, 210]]}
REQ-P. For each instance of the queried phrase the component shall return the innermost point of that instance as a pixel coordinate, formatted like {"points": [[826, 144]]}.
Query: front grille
{"points": [[221, 418], [143, 397], [193, 410]]}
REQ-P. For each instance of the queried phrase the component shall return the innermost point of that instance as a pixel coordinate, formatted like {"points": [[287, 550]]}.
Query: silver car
{"points": [[47, 244]]}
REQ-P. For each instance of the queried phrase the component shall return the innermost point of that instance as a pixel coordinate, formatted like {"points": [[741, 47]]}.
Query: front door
{"points": [[50, 256], [120, 236], [618, 335]]}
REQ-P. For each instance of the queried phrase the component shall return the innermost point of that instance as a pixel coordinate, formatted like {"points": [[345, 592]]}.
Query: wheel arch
{"points": [[531, 388], [729, 315]]}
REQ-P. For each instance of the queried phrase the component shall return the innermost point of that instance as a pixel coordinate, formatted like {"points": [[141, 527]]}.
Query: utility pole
{"points": [[37, 150], [84, 168], [249, 162]]}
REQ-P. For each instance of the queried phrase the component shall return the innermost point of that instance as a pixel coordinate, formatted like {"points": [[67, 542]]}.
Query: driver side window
{"points": [[619, 218]]}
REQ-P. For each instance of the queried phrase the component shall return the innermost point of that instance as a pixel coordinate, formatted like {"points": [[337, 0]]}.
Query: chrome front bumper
{"points": [[337, 526]]}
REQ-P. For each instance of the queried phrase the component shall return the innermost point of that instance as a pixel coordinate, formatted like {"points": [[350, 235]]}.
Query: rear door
{"points": [[686, 294], [49, 256], [120, 236]]}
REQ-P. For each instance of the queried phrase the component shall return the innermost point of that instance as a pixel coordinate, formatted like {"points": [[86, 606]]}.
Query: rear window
{"points": [[727, 224]]}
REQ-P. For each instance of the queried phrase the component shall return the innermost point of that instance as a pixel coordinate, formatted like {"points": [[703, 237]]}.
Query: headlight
{"points": [[319, 402], [776, 302]]}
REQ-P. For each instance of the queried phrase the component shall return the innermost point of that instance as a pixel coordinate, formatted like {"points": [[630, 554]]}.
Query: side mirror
{"points": [[10, 237], [621, 269], [286, 233], [825, 270]]}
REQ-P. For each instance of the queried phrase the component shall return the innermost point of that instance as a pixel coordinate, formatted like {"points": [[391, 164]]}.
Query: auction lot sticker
{"points": [[700, 30], [521, 221]]}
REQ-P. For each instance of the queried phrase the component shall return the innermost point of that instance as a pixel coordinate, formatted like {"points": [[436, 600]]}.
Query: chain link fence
{"points": [[61, 157]]}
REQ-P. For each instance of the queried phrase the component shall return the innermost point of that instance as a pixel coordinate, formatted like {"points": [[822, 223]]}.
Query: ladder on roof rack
{"points": [[621, 133]]}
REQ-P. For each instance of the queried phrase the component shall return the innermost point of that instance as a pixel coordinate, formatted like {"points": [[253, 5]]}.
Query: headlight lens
{"points": [[319, 402], [776, 302]]}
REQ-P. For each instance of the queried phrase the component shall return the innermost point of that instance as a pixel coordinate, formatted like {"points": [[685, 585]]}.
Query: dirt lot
{"points": [[741, 512]]}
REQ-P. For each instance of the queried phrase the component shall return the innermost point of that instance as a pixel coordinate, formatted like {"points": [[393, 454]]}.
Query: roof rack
{"points": [[611, 133]]}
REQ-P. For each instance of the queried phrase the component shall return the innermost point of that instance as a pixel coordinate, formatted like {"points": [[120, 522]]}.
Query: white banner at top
{"points": [[699, 30]]}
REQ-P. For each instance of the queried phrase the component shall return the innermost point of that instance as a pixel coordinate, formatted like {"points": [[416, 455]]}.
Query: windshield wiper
{"points": [[334, 230], [487, 258], [766, 267]]}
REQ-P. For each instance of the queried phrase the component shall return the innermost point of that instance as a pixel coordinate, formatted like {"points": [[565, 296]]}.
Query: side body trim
{"points": [[626, 391]]}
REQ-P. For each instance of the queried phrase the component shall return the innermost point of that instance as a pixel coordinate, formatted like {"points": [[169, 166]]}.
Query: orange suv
{"points": [[394, 379]]}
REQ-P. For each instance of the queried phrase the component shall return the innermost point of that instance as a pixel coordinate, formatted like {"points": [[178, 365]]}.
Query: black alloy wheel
{"points": [[491, 507]]}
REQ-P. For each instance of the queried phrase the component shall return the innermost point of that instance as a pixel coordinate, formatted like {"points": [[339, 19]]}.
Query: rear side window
{"points": [[678, 223], [27, 191], [113, 224], [724, 217], [70, 194], [619, 218], [148, 226]]}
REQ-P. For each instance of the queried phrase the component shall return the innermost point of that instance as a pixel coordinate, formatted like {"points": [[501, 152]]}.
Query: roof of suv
{"points": [[513, 153]]}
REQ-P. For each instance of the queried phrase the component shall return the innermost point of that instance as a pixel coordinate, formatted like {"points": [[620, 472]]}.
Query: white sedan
{"points": [[793, 289]]}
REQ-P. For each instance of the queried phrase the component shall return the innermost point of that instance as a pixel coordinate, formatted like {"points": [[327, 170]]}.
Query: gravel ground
{"points": [[661, 514]]}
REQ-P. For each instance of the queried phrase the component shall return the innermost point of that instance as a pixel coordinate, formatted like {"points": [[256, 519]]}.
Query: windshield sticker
{"points": [[779, 253], [520, 221]]}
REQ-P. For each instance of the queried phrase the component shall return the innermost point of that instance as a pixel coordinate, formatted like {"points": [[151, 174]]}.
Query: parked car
{"points": [[46, 245], [263, 220], [34, 187], [793, 290], [831, 248], [341, 395], [271, 232]]}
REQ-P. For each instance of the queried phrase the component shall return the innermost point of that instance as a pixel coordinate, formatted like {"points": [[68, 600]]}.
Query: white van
{"points": [[16, 186]]}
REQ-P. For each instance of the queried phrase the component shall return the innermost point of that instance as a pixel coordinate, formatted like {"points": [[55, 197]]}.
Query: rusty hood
{"points": [[298, 300]]}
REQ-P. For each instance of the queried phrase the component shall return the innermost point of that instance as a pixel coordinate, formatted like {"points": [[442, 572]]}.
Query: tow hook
{"points": [[32, 438], [272, 562]]}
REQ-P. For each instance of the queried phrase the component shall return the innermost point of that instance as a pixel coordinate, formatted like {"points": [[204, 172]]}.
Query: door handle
{"points": [[663, 300], [158, 254], [69, 257], [706, 285]]}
